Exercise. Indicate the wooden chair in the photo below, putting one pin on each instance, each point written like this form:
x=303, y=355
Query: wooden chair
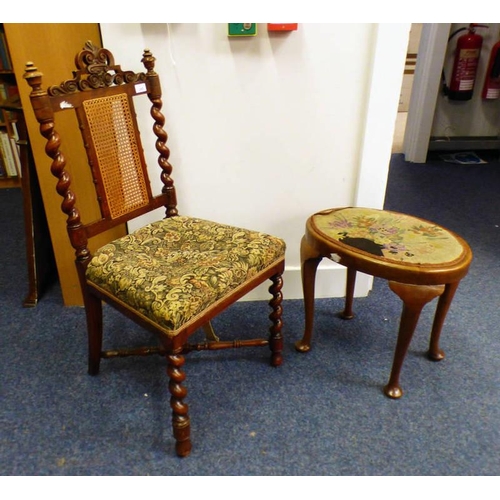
x=171, y=276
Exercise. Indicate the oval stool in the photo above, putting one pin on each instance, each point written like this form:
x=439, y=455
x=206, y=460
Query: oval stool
x=420, y=259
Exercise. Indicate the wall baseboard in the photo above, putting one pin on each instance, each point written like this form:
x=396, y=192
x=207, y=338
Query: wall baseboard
x=330, y=282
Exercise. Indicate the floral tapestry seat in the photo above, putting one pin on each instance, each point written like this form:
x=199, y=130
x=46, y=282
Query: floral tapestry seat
x=174, y=269
x=390, y=236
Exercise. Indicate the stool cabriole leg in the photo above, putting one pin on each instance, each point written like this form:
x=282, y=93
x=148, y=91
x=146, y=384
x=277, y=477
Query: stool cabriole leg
x=435, y=353
x=309, y=259
x=414, y=298
x=349, y=294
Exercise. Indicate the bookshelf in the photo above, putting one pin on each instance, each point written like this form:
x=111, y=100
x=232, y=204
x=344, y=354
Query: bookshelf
x=17, y=171
x=10, y=168
x=39, y=253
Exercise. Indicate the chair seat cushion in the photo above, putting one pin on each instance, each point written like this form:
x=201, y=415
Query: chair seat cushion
x=173, y=269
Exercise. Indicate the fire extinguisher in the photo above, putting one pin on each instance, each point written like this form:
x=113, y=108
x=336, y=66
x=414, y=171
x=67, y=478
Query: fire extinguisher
x=491, y=88
x=464, y=71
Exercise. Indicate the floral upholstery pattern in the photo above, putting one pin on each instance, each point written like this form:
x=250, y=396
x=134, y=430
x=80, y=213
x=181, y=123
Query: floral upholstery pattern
x=173, y=269
x=389, y=235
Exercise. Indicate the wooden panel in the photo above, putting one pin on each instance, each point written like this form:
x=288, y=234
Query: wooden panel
x=52, y=48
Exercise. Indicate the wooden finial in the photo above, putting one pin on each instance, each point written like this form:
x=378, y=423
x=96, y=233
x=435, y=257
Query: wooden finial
x=34, y=78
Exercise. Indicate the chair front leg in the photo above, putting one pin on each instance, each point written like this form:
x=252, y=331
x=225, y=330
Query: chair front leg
x=275, y=336
x=180, y=418
x=93, y=312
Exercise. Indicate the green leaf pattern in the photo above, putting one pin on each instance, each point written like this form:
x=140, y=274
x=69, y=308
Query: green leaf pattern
x=173, y=269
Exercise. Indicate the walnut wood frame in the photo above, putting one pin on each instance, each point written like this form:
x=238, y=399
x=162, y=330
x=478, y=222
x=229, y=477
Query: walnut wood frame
x=97, y=75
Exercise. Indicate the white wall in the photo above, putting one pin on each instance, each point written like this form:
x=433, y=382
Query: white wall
x=264, y=131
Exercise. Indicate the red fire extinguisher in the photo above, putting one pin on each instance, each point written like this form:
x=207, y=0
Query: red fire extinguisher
x=467, y=55
x=491, y=87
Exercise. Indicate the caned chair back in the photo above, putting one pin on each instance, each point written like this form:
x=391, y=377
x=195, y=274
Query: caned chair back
x=102, y=96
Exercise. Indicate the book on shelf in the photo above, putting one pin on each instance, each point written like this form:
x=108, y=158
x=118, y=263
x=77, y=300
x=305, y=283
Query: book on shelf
x=10, y=155
x=5, y=62
x=16, y=154
x=9, y=93
x=15, y=133
x=3, y=91
x=3, y=171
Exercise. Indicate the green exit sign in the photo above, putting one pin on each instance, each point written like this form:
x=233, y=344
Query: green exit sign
x=242, y=29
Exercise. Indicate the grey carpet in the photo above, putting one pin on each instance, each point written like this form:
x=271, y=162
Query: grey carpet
x=321, y=413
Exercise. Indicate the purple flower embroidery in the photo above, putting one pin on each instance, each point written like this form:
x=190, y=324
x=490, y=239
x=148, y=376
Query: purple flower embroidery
x=394, y=248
